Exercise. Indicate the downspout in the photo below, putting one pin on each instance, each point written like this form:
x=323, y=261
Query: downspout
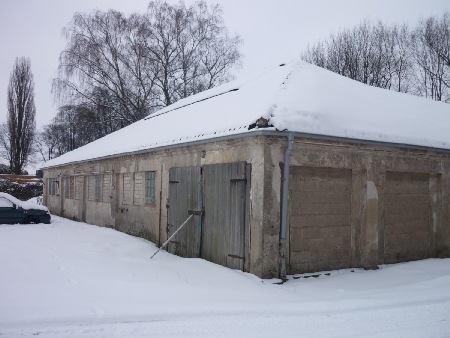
x=160, y=206
x=284, y=205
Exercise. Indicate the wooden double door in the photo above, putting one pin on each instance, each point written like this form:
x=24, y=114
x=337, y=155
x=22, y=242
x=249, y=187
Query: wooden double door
x=217, y=196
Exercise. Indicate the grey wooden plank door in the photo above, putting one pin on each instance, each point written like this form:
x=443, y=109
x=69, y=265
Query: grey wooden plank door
x=223, y=233
x=185, y=193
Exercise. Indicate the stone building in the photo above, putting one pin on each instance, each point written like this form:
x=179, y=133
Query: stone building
x=298, y=170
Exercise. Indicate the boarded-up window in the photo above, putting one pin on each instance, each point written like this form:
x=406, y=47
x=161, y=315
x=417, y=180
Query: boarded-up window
x=66, y=181
x=79, y=181
x=57, y=187
x=50, y=186
x=138, y=189
x=126, y=189
x=150, y=187
x=95, y=188
x=106, y=188
x=72, y=187
x=91, y=195
x=69, y=187
x=53, y=187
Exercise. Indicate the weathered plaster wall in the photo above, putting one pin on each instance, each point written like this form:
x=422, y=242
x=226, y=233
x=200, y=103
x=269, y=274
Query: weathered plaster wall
x=150, y=221
x=369, y=165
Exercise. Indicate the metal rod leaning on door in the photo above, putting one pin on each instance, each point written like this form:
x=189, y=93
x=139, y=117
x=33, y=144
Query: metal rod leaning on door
x=170, y=238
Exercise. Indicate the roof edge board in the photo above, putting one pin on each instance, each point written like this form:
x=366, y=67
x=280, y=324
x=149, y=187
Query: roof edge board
x=261, y=132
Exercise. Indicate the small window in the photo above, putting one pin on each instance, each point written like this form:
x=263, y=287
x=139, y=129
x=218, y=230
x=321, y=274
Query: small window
x=98, y=187
x=150, y=187
x=106, y=188
x=49, y=186
x=138, y=198
x=127, y=196
x=79, y=186
x=95, y=188
x=72, y=187
x=67, y=187
x=53, y=187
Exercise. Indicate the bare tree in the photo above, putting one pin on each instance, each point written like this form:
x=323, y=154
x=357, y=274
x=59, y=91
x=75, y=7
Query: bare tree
x=374, y=54
x=143, y=62
x=104, y=52
x=394, y=57
x=17, y=135
x=116, y=70
x=430, y=50
x=189, y=47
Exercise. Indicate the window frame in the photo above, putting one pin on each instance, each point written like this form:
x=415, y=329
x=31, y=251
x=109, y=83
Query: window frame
x=127, y=192
x=98, y=182
x=150, y=188
x=67, y=187
x=53, y=186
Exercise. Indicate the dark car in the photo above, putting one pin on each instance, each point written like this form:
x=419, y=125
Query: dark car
x=13, y=211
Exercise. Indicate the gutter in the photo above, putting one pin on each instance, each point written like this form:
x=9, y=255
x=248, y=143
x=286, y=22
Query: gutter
x=284, y=205
x=259, y=132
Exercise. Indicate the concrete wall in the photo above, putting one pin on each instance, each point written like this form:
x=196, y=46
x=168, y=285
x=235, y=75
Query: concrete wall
x=369, y=167
x=372, y=240
x=127, y=213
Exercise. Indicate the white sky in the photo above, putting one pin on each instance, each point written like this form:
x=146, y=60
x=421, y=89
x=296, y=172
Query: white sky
x=273, y=31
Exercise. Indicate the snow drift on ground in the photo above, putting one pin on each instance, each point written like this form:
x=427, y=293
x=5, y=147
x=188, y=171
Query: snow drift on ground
x=299, y=97
x=70, y=279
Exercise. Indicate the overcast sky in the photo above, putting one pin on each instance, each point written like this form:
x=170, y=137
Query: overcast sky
x=272, y=31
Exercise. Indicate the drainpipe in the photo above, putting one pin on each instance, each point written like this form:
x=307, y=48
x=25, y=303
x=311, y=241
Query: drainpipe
x=160, y=206
x=284, y=205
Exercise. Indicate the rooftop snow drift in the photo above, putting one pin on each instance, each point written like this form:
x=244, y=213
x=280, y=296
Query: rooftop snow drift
x=301, y=98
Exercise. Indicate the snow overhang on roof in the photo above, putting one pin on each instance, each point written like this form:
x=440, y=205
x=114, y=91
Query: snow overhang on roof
x=301, y=98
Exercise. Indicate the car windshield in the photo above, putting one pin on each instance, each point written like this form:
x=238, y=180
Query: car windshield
x=5, y=203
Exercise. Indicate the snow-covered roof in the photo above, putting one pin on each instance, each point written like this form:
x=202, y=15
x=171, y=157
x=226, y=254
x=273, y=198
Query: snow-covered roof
x=299, y=97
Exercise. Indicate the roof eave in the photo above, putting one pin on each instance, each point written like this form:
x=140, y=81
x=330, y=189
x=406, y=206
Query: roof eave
x=261, y=132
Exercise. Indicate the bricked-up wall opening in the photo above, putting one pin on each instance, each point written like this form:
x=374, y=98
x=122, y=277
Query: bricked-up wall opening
x=407, y=217
x=319, y=219
x=138, y=189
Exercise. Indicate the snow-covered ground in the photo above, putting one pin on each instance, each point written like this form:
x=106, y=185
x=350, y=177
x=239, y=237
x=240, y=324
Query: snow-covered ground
x=70, y=279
